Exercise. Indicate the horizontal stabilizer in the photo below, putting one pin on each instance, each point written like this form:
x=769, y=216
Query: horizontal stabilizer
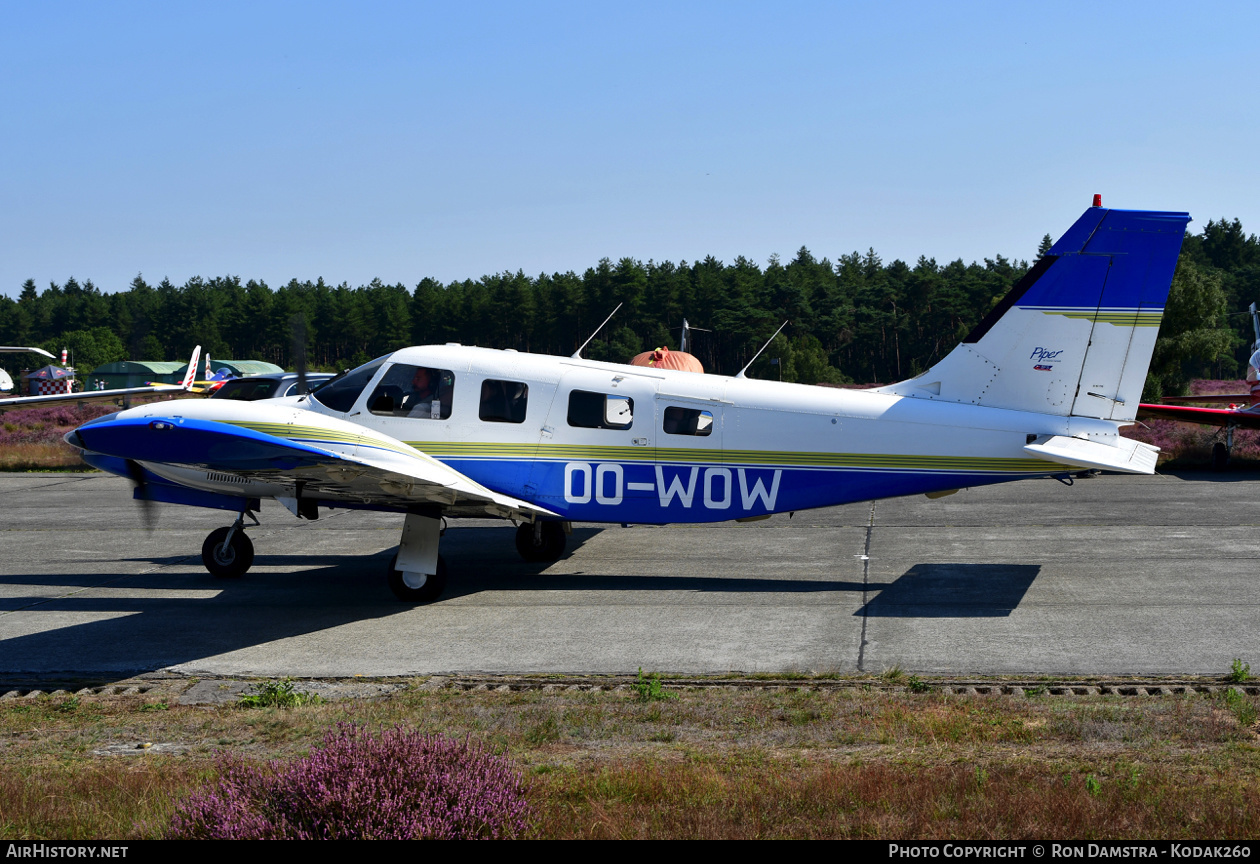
x=1128, y=456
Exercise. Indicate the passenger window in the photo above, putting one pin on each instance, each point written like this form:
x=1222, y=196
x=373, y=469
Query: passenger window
x=600, y=410
x=503, y=401
x=340, y=395
x=413, y=391
x=688, y=421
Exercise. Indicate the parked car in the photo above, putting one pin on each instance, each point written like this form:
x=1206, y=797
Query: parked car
x=271, y=385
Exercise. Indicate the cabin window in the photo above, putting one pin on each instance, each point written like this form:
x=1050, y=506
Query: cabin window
x=600, y=410
x=416, y=392
x=503, y=401
x=340, y=395
x=688, y=421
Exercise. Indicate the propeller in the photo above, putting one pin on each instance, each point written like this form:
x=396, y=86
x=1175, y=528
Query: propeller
x=148, y=513
x=297, y=324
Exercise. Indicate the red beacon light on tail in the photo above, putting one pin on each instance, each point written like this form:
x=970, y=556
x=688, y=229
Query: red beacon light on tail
x=1097, y=200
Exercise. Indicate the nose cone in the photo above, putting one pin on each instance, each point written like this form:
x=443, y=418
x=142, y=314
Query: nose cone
x=89, y=434
x=74, y=437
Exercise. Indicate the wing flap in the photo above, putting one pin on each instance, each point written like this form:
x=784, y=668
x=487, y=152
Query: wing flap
x=1128, y=456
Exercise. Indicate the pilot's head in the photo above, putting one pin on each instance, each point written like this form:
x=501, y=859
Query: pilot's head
x=421, y=381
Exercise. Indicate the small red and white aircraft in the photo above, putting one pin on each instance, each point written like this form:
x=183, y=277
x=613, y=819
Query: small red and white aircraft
x=1243, y=411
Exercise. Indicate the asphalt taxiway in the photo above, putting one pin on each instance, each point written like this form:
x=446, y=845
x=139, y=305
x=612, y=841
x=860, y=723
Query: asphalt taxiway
x=1116, y=575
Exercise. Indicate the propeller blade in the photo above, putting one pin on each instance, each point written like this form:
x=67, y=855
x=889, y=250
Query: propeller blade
x=148, y=512
x=298, y=325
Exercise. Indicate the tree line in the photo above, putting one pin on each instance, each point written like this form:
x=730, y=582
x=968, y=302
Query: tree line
x=857, y=319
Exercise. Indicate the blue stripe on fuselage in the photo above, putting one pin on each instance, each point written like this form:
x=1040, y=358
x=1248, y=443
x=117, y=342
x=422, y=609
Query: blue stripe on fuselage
x=647, y=493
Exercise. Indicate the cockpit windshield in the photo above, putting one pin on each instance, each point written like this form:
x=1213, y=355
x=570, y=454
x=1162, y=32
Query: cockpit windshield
x=340, y=395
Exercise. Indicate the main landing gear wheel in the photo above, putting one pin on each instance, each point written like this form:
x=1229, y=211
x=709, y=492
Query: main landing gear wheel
x=227, y=560
x=1220, y=456
x=416, y=587
x=542, y=541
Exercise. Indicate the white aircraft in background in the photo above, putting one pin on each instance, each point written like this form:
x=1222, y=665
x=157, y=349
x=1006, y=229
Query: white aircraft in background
x=6, y=383
x=100, y=395
x=1041, y=388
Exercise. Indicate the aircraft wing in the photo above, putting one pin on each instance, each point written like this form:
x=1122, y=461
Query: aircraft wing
x=1245, y=418
x=100, y=395
x=1214, y=399
x=298, y=453
x=18, y=349
x=86, y=396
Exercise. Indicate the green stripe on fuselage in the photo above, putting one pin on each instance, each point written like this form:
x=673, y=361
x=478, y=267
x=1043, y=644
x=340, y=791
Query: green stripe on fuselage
x=786, y=459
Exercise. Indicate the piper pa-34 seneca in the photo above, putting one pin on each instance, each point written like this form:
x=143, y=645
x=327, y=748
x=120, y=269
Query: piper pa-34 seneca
x=1040, y=388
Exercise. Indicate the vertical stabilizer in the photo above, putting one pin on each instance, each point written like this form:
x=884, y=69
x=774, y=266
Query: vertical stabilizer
x=190, y=374
x=1076, y=334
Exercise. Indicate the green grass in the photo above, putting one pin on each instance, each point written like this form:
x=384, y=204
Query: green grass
x=277, y=694
x=734, y=762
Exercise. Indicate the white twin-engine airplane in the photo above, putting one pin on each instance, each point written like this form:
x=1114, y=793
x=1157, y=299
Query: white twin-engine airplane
x=1040, y=388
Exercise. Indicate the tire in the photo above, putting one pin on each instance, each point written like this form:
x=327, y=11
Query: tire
x=551, y=547
x=1220, y=456
x=430, y=590
x=231, y=562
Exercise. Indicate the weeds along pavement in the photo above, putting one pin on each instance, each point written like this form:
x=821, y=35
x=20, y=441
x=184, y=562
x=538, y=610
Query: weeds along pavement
x=663, y=760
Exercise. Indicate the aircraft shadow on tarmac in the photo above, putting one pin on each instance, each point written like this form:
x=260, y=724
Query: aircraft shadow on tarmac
x=152, y=627
x=155, y=630
x=954, y=591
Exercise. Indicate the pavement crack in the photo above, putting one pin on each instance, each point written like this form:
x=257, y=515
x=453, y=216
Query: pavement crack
x=866, y=581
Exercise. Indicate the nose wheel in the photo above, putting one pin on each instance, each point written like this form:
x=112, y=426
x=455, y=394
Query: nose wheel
x=227, y=552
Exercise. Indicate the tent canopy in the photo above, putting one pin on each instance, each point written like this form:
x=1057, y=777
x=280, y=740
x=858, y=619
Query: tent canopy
x=48, y=373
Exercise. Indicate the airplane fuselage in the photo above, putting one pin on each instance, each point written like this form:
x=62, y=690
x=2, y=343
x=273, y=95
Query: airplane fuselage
x=1039, y=388
x=685, y=447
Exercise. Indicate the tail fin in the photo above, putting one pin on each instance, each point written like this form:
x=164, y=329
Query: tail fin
x=191, y=375
x=1076, y=334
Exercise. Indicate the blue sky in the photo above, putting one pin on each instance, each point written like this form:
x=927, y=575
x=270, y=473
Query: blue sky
x=353, y=141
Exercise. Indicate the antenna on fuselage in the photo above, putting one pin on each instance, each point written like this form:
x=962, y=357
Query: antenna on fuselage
x=687, y=329
x=763, y=348
x=577, y=355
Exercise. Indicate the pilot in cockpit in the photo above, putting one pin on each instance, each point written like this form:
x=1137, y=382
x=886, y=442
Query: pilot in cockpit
x=422, y=401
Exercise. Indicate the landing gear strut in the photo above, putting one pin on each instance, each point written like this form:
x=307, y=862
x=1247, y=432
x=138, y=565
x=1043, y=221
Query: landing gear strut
x=541, y=541
x=227, y=552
